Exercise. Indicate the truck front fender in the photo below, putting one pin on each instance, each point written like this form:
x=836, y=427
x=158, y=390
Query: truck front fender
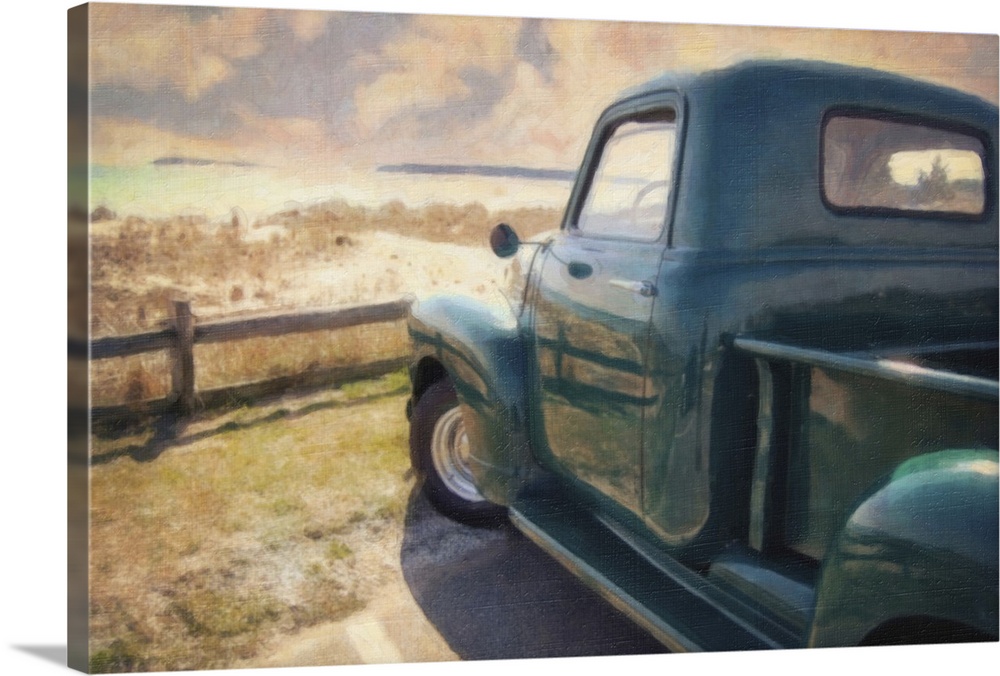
x=480, y=349
x=923, y=545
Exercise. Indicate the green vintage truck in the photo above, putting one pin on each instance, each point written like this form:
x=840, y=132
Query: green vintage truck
x=748, y=391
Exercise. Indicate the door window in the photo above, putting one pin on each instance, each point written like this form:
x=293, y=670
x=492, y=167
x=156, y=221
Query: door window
x=629, y=193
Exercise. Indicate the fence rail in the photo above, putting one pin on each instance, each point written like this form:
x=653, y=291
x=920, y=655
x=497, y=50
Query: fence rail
x=186, y=332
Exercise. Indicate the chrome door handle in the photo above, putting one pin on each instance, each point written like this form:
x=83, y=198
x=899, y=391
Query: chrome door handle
x=644, y=288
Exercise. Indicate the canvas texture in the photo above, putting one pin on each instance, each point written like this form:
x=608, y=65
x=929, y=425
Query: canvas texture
x=288, y=332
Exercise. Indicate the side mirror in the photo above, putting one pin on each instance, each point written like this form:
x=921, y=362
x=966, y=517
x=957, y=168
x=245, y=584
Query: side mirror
x=504, y=241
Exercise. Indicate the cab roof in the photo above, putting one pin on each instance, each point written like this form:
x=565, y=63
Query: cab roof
x=798, y=82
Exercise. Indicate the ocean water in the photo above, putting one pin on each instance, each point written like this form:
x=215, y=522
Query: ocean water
x=213, y=191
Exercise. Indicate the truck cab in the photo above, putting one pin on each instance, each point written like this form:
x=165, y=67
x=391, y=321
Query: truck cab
x=749, y=389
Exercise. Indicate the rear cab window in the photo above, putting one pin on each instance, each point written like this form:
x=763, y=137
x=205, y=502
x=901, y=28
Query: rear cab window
x=879, y=164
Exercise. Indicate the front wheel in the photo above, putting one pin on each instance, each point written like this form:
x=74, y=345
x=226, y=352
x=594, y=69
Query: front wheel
x=440, y=444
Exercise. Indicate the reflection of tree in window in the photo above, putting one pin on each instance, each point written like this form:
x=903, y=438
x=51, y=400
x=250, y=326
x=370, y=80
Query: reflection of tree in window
x=934, y=188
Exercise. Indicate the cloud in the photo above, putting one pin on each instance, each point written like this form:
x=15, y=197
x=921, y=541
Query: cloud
x=147, y=46
x=534, y=48
x=230, y=73
x=440, y=63
x=308, y=25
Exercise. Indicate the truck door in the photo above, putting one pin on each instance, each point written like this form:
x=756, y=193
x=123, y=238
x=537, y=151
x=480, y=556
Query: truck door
x=594, y=300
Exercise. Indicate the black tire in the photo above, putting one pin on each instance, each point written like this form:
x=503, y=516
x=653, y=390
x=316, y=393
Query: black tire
x=439, y=444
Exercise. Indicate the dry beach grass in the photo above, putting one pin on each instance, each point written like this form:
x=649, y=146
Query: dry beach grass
x=327, y=255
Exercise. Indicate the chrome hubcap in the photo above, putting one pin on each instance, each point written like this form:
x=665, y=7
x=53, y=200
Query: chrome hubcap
x=450, y=454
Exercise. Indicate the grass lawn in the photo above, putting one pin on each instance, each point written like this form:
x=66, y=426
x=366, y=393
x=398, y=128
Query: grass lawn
x=249, y=524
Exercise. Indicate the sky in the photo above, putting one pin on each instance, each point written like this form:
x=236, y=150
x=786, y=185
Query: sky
x=317, y=91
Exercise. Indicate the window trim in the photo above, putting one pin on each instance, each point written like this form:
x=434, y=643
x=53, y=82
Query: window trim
x=881, y=115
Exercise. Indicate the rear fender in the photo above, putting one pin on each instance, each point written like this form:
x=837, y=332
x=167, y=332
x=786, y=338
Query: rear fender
x=922, y=545
x=480, y=349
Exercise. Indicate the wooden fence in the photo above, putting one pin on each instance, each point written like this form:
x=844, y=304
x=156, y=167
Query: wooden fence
x=185, y=333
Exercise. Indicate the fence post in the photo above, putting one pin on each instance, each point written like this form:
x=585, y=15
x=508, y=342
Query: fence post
x=183, y=373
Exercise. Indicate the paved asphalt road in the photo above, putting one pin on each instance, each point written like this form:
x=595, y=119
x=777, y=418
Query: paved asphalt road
x=493, y=594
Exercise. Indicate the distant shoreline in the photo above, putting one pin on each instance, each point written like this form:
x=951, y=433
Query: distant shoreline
x=198, y=162
x=480, y=170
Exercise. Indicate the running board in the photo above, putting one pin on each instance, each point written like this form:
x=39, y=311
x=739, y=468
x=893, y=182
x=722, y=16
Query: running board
x=671, y=609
